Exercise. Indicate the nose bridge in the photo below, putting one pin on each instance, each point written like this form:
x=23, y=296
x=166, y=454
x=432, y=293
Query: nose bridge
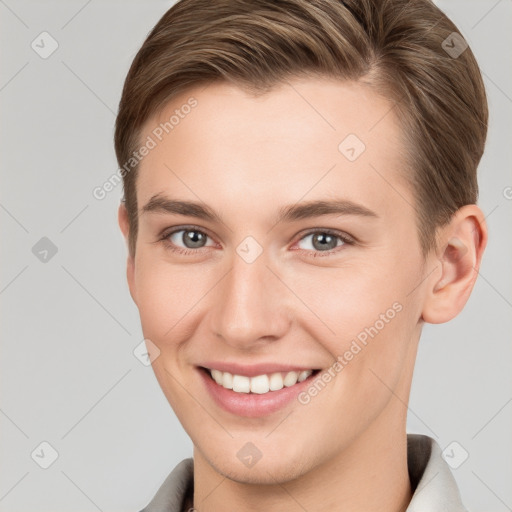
x=249, y=304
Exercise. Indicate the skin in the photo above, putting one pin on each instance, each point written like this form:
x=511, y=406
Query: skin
x=246, y=157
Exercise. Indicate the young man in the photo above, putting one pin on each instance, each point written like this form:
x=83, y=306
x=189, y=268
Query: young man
x=300, y=188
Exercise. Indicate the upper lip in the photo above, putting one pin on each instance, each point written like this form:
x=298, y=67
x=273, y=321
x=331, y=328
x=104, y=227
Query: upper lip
x=252, y=370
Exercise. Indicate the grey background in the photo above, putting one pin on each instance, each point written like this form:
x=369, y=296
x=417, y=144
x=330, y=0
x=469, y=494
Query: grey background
x=69, y=327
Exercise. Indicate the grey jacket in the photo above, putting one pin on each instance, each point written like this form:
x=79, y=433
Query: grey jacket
x=433, y=485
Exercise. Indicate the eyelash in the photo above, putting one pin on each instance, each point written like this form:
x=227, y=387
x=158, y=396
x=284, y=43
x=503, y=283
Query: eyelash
x=344, y=237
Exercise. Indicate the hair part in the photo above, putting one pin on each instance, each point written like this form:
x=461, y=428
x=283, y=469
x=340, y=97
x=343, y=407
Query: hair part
x=393, y=46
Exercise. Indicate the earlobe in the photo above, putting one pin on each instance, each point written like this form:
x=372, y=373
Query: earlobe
x=124, y=225
x=461, y=248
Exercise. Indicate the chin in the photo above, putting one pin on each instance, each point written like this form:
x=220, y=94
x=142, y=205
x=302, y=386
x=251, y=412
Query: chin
x=270, y=470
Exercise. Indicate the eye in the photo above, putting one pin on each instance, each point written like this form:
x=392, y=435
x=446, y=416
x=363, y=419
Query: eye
x=323, y=241
x=189, y=238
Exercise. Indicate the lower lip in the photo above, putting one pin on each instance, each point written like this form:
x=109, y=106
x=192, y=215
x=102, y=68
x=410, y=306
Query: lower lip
x=252, y=405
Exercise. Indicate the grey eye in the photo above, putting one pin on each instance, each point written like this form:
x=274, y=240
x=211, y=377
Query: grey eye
x=321, y=241
x=189, y=238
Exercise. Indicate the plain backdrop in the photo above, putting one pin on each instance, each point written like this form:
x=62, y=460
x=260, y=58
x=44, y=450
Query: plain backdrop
x=68, y=374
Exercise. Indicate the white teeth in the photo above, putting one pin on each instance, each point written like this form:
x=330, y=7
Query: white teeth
x=260, y=384
x=276, y=382
x=241, y=384
x=227, y=380
x=217, y=376
x=303, y=375
x=290, y=379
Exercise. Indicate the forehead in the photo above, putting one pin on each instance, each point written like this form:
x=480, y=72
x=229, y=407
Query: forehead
x=307, y=136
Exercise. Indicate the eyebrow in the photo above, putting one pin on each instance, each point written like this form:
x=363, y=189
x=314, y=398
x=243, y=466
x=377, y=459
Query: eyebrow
x=161, y=204
x=318, y=208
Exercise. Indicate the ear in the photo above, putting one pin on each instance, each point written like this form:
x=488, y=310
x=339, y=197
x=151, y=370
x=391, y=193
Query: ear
x=124, y=224
x=459, y=254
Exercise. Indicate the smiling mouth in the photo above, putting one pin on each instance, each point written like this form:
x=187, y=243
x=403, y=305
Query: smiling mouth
x=259, y=384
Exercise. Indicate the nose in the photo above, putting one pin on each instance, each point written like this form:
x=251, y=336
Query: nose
x=250, y=305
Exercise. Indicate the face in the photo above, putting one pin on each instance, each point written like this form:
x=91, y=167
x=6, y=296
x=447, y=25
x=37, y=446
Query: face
x=277, y=237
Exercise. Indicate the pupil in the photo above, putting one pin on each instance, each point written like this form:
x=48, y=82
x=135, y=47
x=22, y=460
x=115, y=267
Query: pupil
x=324, y=241
x=193, y=239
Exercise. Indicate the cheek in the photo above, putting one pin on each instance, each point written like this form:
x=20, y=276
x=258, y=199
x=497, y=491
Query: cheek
x=166, y=294
x=362, y=314
x=344, y=301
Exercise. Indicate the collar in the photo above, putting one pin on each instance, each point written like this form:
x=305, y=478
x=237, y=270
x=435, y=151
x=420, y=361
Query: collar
x=434, y=487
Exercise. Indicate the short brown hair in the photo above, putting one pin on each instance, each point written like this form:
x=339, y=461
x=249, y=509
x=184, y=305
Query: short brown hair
x=398, y=47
